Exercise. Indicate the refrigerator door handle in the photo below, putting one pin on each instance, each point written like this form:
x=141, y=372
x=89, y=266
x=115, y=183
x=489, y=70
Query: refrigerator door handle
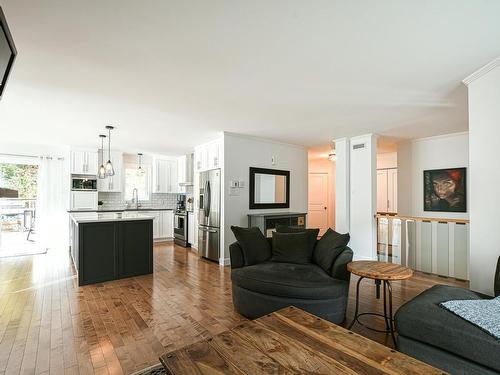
x=209, y=200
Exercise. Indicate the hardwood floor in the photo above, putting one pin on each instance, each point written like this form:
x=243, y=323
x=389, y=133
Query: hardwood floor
x=49, y=325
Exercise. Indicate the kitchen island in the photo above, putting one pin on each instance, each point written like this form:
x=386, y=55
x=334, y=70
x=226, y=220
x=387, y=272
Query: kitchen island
x=110, y=246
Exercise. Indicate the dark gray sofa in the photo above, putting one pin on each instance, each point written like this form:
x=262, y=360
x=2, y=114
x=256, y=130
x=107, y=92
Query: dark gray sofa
x=264, y=287
x=444, y=340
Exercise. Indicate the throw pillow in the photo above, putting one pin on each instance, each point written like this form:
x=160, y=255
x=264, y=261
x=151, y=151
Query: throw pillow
x=329, y=247
x=311, y=233
x=256, y=248
x=291, y=248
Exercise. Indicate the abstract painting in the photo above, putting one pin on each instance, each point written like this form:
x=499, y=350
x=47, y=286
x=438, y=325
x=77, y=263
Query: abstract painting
x=445, y=190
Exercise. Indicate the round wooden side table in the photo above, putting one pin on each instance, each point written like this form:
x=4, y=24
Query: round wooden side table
x=380, y=272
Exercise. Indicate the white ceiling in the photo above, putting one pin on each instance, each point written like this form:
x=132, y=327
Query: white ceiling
x=171, y=74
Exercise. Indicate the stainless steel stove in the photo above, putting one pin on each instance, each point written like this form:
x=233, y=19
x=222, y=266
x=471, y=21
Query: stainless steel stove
x=181, y=228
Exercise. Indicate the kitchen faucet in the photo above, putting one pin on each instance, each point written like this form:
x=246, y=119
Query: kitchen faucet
x=135, y=198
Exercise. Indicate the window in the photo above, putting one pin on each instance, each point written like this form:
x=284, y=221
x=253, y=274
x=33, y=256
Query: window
x=134, y=180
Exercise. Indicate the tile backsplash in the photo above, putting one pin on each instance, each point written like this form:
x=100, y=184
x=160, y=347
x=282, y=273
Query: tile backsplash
x=115, y=201
x=111, y=201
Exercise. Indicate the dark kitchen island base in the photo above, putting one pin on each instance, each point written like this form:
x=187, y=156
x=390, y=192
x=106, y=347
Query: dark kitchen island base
x=110, y=250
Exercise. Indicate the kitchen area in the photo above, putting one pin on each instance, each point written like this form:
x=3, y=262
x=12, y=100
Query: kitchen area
x=157, y=197
x=157, y=186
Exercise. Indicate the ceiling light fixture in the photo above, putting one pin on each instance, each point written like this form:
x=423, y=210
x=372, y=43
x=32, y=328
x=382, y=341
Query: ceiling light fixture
x=140, y=170
x=110, y=171
x=102, y=170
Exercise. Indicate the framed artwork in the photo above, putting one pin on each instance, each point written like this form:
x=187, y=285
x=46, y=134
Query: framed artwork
x=445, y=190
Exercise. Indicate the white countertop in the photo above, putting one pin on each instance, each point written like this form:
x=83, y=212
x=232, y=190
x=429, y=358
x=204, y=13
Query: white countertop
x=97, y=217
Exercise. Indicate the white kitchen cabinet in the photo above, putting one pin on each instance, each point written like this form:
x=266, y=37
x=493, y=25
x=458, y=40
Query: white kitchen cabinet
x=112, y=183
x=84, y=162
x=84, y=200
x=173, y=184
x=191, y=228
x=163, y=224
x=167, y=222
x=387, y=190
x=208, y=156
x=165, y=179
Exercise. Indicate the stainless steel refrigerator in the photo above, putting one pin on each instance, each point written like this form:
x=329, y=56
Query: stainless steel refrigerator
x=209, y=214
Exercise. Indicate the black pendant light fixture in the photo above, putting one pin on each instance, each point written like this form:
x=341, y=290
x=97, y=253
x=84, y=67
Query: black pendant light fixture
x=140, y=170
x=110, y=171
x=102, y=169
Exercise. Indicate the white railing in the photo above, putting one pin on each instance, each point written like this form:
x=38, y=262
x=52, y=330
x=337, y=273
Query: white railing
x=433, y=245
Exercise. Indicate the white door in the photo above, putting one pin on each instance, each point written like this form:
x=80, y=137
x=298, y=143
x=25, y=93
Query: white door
x=317, y=216
x=392, y=190
x=382, y=205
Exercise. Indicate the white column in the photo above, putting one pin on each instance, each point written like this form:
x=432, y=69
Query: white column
x=342, y=194
x=484, y=203
x=363, y=196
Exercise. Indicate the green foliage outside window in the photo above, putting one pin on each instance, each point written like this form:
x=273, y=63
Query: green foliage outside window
x=20, y=177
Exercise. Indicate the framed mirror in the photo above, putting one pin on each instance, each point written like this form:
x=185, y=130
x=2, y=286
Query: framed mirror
x=269, y=188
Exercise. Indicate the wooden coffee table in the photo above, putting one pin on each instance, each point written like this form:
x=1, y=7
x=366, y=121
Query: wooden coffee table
x=380, y=272
x=290, y=341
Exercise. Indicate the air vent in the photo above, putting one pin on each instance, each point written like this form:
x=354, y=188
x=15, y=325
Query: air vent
x=358, y=146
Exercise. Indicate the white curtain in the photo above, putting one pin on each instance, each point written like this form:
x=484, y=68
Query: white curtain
x=51, y=224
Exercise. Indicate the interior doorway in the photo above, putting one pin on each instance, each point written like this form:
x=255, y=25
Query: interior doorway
x=18, y=196
x=318, y=201
x=321, y=188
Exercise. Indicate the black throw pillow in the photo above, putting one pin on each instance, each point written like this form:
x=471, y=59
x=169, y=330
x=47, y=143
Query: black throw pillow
x=329, y=248
x=291, y=248
x=312, y=234
x=256, y=247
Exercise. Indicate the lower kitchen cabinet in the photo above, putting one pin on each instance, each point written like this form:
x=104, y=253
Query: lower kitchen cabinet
x=133, y=260
x=191, y=228
x=163, y=224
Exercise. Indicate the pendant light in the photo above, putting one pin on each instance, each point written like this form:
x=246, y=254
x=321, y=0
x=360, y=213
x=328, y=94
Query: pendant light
x=110, y=171
x=140, y=170
x=102, y=169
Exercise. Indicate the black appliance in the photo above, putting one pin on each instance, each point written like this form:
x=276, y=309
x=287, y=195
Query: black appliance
x=181, y=228
x=8, y=52
x=181, y=203
x=80, y=183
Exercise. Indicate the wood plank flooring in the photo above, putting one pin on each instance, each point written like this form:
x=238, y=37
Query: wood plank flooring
x=48, y=325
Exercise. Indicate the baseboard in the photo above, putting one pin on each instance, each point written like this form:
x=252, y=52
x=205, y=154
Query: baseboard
x=225, y=261
x=358, y=257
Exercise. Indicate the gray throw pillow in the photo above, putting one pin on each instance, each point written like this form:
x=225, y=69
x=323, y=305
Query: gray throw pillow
x=329, y=247
x=291, y=248
x=312, y=234
x=256, y=248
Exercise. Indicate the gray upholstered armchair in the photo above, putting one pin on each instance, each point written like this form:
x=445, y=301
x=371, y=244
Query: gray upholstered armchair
x=261, y=286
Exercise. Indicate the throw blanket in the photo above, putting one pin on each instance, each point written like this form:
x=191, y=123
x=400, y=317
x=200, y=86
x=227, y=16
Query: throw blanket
x=484, y=313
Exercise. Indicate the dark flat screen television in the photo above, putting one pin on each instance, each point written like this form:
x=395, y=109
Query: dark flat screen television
x=8, y=52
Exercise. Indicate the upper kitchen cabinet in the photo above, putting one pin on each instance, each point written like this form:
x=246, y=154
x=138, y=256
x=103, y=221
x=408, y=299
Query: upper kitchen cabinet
x=112, y=183
x=165, y=176
x=184, y=172
x=84, y=162
x=208, y=156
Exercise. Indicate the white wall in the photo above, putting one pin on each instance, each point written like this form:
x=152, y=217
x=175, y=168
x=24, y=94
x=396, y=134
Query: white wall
x=363, y=196
x=342, y=190
x=387, y=160
x=446, y=151
x=241, y=153
x=484, y=130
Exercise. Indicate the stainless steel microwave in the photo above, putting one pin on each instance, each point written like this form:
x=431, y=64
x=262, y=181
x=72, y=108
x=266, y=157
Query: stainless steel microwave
x=80, y=183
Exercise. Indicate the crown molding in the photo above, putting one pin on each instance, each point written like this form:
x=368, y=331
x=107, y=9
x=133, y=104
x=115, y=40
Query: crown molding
x=481, y=71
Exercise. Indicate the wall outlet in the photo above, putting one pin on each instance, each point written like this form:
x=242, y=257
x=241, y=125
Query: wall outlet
x=233, y=184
